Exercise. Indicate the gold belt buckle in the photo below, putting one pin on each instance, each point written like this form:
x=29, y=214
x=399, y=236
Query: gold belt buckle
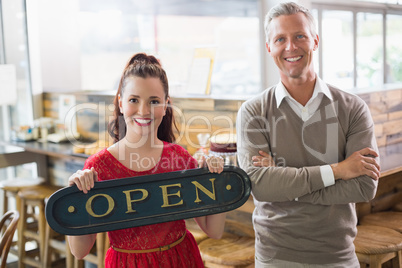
x=167, y=247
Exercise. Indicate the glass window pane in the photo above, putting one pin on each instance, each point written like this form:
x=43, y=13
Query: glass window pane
x=317, y=53
x=369, y=50
x=16, y=53
x=236, y=69
x=337, y=47
x=110, y=36
x=108, y=39
x=384, y=1
x=394, y=49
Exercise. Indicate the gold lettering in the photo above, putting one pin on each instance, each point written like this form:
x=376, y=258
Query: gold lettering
x=166, y=195
x=204, y=190
x=88, y=205
x=130, y=201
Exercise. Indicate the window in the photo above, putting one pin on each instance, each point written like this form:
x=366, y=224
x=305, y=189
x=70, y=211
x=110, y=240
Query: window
x=359, y=44
x=393, y=66
x=95, y=38
x=369, y=50
x=111, y=32
x=337, y=48
x=14, y=51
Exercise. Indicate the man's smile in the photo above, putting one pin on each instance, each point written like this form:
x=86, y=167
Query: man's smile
x=293, y=59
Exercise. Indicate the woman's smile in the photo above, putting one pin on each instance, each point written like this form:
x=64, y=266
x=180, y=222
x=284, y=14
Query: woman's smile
x=143, y=122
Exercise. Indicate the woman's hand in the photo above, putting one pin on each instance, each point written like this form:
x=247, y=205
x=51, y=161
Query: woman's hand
x=214, y=163
x=263, y=160
x=84, y=179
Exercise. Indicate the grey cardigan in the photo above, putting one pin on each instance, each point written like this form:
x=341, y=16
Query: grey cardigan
x=318, y=228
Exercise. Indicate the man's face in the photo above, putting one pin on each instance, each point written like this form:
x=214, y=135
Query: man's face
x=291, y=46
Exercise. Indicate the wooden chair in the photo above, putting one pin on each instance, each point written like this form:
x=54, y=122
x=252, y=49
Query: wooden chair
x=375, y=245
x=234, y=250
x=8, y=225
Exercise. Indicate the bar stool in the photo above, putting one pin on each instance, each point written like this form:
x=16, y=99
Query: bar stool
x=229, y=251
x=33, y=197
x=10, y=191
x=196, y=231
x=388, y=219
x=397, y=207
x=375, y=245
x=11, y=187
x=234, y=249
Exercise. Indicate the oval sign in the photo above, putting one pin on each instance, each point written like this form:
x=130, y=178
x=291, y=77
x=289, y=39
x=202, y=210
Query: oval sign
x=143, y=200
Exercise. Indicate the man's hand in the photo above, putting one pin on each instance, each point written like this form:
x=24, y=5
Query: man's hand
x=263, y=160
x=358, y=164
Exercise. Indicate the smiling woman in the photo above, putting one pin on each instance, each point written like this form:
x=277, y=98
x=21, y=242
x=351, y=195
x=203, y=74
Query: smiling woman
x=143, y=125
x=143, y=104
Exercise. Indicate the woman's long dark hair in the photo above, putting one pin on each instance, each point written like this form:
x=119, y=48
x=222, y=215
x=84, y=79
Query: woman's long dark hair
x=144, y=66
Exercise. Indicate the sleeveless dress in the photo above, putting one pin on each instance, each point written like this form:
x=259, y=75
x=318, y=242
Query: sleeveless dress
x=186, y=254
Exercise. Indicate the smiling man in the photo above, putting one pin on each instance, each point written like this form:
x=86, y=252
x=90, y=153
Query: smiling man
x=324, y=138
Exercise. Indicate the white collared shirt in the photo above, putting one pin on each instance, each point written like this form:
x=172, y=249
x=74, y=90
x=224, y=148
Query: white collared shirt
x=306, y=112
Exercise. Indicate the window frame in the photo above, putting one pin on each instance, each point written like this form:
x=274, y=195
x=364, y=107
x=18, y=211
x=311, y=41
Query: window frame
x=357, y=7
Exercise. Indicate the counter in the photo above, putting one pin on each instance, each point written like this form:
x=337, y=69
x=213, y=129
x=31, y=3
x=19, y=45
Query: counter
x=63, y=150
x=14, y=153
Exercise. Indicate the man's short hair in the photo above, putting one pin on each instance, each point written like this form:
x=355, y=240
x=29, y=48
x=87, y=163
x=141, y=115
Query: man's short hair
x=288, y=8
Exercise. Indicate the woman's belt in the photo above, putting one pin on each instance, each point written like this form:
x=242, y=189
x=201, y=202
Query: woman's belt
x=163, y=248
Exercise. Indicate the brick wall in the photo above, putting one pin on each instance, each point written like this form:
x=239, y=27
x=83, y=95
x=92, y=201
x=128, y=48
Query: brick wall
x=207, y=115
x=386, y=110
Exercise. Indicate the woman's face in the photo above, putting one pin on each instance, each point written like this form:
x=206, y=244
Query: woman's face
x=143, y=105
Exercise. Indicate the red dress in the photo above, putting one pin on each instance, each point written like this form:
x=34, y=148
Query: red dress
x=186, y=254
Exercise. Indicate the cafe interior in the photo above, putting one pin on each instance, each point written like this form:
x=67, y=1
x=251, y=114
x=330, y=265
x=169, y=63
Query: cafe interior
x=60, y=65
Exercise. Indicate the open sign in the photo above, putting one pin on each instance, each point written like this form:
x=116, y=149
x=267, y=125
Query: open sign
x=143, y=200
